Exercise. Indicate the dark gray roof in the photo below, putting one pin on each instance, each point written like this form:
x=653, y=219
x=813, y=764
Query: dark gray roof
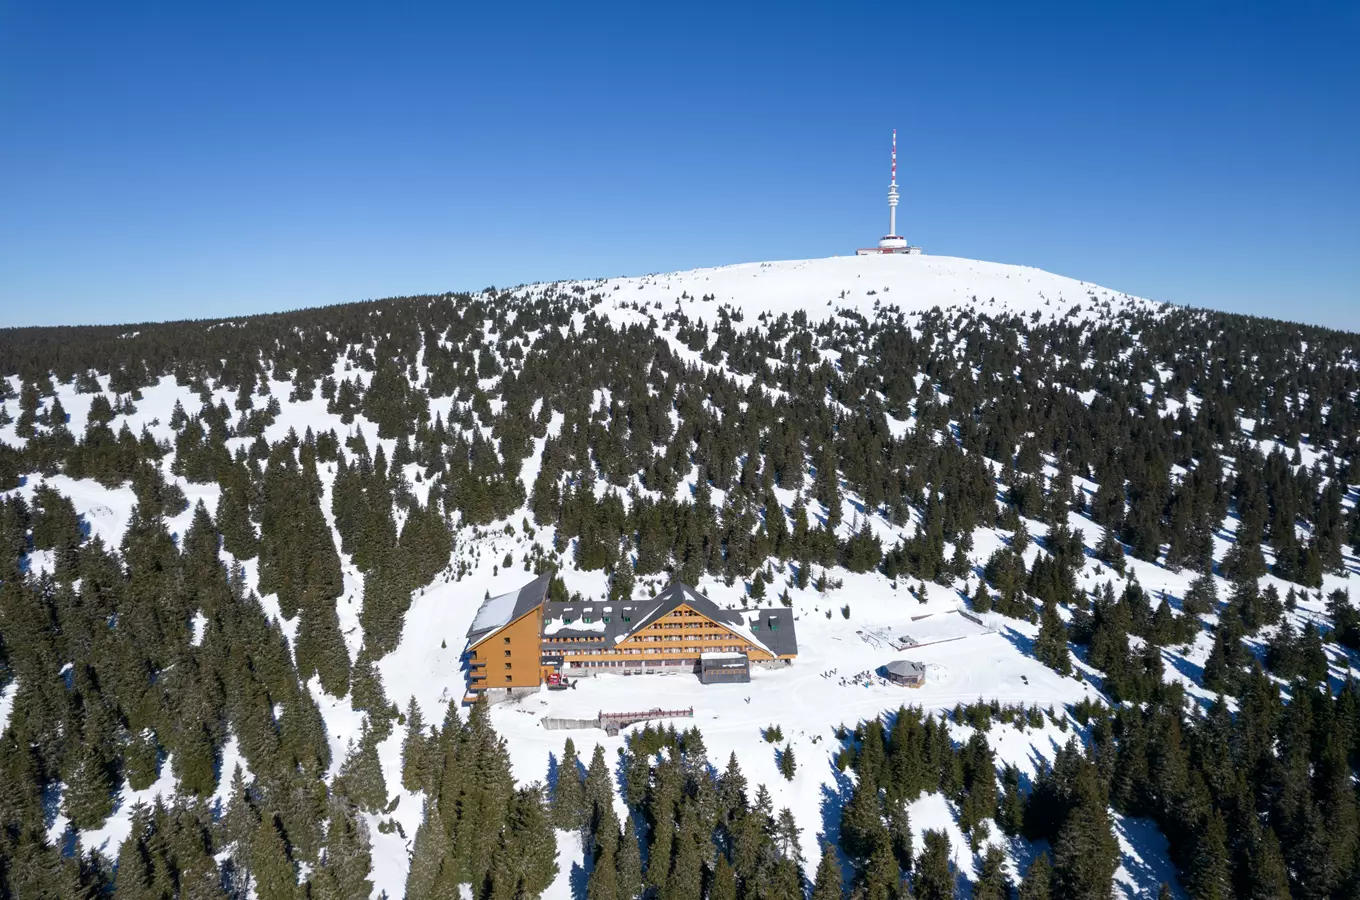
x=770, y=628
x=599, y=632
x=903, y=667
x=497, y=612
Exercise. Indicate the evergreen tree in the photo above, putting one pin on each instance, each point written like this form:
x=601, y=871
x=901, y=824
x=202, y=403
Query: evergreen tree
x=934, y=875
x=344, y=874
x=1038, y=880
x=628, y=862
x=432, y=870
x=1050, y=647
x=415, y=749
x=1202, y=597
x=992, y=883
x=787, y=766
x=723, y=884
x=827, y=885
x=569, y=799
x=1086, y=853
x=273, y=873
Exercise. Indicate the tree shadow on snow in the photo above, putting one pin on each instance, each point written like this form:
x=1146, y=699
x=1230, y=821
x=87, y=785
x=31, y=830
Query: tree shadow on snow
x=1145, y=857
x=554, y=770
x=1193, y=671
x=835, y=795
x=580, y=880
x=1019, y=641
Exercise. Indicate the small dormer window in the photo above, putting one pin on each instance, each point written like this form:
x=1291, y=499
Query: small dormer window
x=585, y=620
x=566, y=620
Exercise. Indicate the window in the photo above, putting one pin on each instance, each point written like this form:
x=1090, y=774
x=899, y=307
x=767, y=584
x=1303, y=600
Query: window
x=566, y=620
x=606, y=620
x=507, y=678
x=507, y=652
x=585, y=620
x=505, y=640
x=507, y=665
x=627, y=618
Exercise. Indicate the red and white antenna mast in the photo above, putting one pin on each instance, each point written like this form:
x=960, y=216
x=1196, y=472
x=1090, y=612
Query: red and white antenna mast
x=892, y=191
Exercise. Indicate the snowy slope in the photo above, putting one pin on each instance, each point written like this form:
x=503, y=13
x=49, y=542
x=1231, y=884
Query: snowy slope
x=911, y=283
x=809, y=699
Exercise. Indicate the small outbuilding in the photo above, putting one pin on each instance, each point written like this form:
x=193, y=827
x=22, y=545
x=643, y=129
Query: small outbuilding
x=724, y=668
x=905, y=672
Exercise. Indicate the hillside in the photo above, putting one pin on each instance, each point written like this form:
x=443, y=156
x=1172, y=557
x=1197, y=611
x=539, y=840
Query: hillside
x=241, y=557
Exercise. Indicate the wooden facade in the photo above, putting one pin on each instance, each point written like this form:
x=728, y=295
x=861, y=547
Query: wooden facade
x=675, y=639
x=508, y=657
x=520, y=638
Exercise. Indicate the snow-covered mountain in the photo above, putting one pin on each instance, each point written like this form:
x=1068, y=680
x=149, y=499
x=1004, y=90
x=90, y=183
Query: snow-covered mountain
x=926, y=364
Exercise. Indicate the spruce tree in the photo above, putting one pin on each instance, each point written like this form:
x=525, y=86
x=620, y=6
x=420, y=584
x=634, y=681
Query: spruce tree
x=1038, y=881
x=827, y=884
x=604, y=877
x=1202, y=596
x=1210, y=867
x=431, y=873
x=272, y=871
x=1086, y=853
x=723, y=883
x=598, y=793
x=934, y=876
x=628, y=862
x=568, y=798
x=992, y=883
x=415, y=749
x=344, y=874
x=1050, y=647
x=787, y=765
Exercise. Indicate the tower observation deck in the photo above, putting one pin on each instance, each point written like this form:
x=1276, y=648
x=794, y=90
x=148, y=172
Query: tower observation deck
x=891, y=242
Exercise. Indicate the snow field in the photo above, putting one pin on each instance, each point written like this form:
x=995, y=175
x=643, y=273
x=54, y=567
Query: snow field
x=804, y=699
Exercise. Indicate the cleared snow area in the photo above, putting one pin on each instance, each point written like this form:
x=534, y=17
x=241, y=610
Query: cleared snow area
x=931, y=629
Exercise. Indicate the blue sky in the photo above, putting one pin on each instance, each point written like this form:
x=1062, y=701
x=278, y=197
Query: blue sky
x=179, y=160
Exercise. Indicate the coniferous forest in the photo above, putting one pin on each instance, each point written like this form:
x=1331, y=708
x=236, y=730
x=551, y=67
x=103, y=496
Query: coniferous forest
x=282, y=471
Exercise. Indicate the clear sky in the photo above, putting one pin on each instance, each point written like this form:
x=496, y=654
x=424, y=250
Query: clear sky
x=169, y=160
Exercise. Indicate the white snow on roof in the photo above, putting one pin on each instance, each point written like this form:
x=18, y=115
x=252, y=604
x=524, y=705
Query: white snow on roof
x=495, y=612
x=744, y=630
x=555, y=625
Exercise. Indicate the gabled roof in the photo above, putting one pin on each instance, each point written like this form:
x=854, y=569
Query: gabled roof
x=673, y=597
x=497, y=612
x=770, y=629
x=613, y=621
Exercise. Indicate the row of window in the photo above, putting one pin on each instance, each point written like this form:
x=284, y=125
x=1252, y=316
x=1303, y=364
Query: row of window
x=640, y=651
x=624, y=663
